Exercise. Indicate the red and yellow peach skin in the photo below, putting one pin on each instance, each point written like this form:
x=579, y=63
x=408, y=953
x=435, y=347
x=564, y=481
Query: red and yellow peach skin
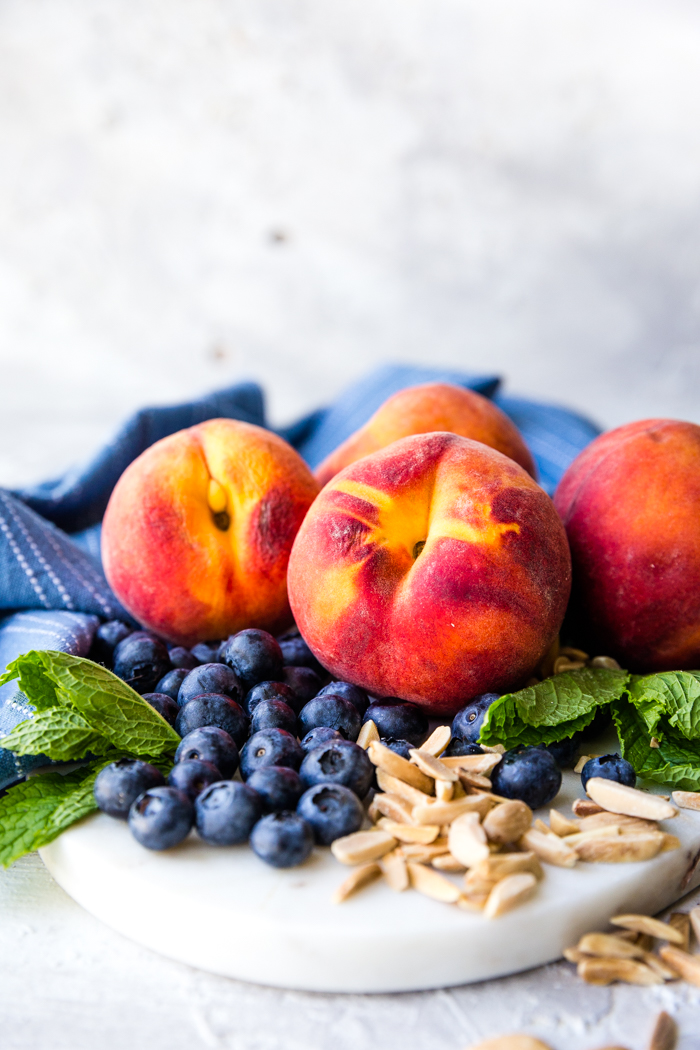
x=422, y=410
x=197, y=533
x=631, y=507
x=433, y=570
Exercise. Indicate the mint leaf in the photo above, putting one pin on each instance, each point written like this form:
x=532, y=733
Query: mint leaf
x=35, y=812
x=29, y=669
x=553, y=709
x=671, y=695
x=675, y=761
x=59, y=733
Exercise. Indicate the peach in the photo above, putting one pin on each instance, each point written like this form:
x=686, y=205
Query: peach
x=422, y=410
x=197, y=533
x=433, y=570
x=631, y=507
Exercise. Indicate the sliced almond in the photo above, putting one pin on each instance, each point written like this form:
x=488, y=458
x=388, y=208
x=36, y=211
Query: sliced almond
x=495, y=749
x=467, y=839
x=368, y=734
x=600, y=820
x=457, y=790
x=665, y=1034
x=686, y=799
x=694, y=916
x=423, y=833
x=446, y=812
x=608, y=946
x=387, y=760
x=510, y=893
x=446, y=862
x=670, y=843
x=362, y=847
x=355, y=881
x=584, y=807
x=608, y=831
x=562, y=663
x=482, y=764
x=605, y=661
x=392, y=806
x=560, y=825
x=653, y=927
x=618, y=798
x=394, y=870
x=539, y=825
x=623, y=849
x=549, y=848
x=507, y=822
x=432, y=884
x=469, y=903
x=437, y=741
x=659, y=966
x=478, y=885
x=423, y=854
x=574, y=955
x=444, y=790
x=393, y=786
x=581, y=763
x=474, y=780
x=686, y=966
x=498, y=865
x=431, y=766
x=605, y=971
x=511, y=1042
x=574, y=654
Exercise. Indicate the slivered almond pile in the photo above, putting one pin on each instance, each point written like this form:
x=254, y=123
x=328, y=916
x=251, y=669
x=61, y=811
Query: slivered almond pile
x=664, y=1037
x=436, y=817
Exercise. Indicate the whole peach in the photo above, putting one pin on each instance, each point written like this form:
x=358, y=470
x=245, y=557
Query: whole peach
x=422, y=410
x=197, y=533
x=631, y=507
x=433, y=570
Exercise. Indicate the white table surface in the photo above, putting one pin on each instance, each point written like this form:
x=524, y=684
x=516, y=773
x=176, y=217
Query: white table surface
x=195, y=191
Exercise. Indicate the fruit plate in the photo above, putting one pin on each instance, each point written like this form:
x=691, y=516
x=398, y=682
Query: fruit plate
x=225, y=911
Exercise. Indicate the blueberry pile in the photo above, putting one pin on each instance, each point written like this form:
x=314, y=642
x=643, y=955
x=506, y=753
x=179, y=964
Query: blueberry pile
x=261, y=708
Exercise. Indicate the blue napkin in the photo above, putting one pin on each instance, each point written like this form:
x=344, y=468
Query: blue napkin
x=52, y=579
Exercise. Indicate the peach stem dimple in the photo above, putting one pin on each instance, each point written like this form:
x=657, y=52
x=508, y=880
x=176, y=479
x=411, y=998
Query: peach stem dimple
x=216, y=496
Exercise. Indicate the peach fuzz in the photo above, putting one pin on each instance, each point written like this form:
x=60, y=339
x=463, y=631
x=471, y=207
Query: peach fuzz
x=433, y=570
x=197, y=533
x=631, y=507
x=423, y=410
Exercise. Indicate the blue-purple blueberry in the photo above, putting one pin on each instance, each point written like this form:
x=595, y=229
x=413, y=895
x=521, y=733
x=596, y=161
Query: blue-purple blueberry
x=468, y=721
x=338, y=762
x=210, y=744
x=210, y=678
x=164, y=705
x=273, y=714
x=119, y=784
x=609, y=767
x=270, y=747
x=283, y=840
x=226, y=812
x=213, y=709
x=279, y=787
x=141, y=660
x=161, y=818
x=332, y=811
x=399, y=719
x=254, y=655
x=348, y=691
x=333, y=711
x=193, y=776
x=527, y=773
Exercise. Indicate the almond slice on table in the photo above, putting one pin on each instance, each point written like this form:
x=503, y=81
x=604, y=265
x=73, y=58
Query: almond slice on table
x=498, y=865
x=355, y=881
x=659, y=966
x=393, y=786
x=392, y=806
x=394, y=870
x=437, y=741
x=444, y=790
x=686, y=799
x=605, y=971
x=540, y=825
x=446, y=862
x=478, y=885
x=622, y=849
x=368, y=734
x=585, y=807
x=653, y=927
x=561, y=825
x=432, y=884
x=474, y=780
x=423, y=833
x=509, y=893
x=362, y=846
x=607, y=945
x=549, y=848
x=602, y=819
x=431, y=766
x=511, y=1042
x=665, y=1034
x=607, y=831
x=424, y=854
x=445, y=812
x=467, y=839
x=618, y=798
x=467, y=902
x=482, y=764
x=387, y=760
x=507, y=822
x=581, y=763
x=686, y=966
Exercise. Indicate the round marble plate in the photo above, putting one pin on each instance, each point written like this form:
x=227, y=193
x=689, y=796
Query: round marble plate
x=225, y=911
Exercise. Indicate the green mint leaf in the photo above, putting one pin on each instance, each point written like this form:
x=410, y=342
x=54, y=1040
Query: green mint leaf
x=669, y=695
x=59, y=733
x=35, y=812
x=675, y=761
x=33, y=682
x=553, y=709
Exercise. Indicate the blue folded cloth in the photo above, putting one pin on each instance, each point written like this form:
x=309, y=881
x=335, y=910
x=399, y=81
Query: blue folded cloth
x=53, y=581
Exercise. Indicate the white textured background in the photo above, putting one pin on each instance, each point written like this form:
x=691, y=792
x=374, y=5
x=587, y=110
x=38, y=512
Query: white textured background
x=194, y=191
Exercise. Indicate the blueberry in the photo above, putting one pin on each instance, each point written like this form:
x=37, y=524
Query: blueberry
x=333, y=711
x=164, y=705
x=170, y=683
x=210, y=678
x=254, y=655
x=213, y=709
x=527, y=773
x=107, y=637
x=350, y=692
x=320, y=735
x=270, y=747
x=193, y=776
x=468, y=721
x=399, y=719
x=332, y=811
x=181, y=657
x=118, y=785
x=400, y=747
x=206, y=654
x=226, y=812
x=564, y=752
x=280, y=788
x=303, y=682
x=161, y=818
x=283, y=840
x=269, y=691
x=273, y=714
x=456, y=748
x=141, y=661
x=339, y=762
x=211, y=745
x=610, y=767
x=296, y=653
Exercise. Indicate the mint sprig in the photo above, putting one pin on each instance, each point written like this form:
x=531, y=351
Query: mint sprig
x=675, y=761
